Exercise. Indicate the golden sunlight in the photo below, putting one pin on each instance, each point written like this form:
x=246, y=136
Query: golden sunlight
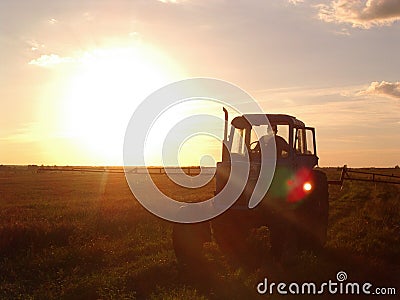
x=104, y=92
x=190, y=145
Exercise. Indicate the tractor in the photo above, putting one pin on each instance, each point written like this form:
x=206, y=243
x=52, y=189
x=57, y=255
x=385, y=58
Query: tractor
x=295, y=207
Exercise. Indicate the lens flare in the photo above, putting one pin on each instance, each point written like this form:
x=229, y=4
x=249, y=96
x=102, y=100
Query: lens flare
x=300, y=186
x=307, y=186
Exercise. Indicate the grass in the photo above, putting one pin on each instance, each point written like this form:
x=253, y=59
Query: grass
x=79, y=235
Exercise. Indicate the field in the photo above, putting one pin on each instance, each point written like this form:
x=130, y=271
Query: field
x=72, y=235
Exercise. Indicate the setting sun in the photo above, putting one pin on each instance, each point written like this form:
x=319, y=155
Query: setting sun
x=103, y=93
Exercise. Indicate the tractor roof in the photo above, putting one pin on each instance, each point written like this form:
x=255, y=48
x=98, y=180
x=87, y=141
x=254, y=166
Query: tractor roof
x=259, y=119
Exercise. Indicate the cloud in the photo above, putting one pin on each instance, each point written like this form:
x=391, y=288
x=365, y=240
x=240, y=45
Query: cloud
x=342, y=31
x=50, y=60
x=34, y=45
x=171, y=1
x=52, y=21
x=295, y=2
x=384, y=88
x=360, y=13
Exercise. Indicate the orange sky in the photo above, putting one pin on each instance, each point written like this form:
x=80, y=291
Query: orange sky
x=72, y=73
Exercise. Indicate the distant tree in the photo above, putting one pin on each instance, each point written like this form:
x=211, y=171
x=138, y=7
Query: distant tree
x=397, y=167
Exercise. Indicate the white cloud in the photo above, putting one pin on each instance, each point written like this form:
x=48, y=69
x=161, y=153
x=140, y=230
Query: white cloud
x=384, y=88
x=50, y=60
x=171, y=1
x=52, y=21
x=360, y=13
x=34, y=45
x=295, y=2
x=342, y=31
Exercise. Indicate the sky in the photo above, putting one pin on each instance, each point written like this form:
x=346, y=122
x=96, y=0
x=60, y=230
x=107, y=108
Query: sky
x=73, y=72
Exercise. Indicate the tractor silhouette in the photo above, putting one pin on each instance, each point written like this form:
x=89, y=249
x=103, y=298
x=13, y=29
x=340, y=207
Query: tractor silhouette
x=295, y=207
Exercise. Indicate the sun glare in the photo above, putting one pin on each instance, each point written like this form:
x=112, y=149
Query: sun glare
x=103, y=94
x=199, y=146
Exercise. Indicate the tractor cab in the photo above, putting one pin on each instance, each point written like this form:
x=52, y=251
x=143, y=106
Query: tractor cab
x=294, y=142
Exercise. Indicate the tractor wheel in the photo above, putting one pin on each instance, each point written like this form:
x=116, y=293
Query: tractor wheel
x=231, y=233
x=188, y=241
x=283, y=237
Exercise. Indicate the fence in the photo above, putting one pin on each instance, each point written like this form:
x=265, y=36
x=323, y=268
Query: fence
x=193, y=170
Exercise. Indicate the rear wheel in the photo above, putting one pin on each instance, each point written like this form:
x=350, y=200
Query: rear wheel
x=231, y=232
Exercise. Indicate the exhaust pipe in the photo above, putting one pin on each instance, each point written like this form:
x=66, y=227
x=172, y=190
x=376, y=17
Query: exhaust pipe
x=226, y=125
x=225, y=154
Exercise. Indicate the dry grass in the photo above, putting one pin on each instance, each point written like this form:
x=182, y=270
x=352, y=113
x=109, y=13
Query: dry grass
x=84, y=236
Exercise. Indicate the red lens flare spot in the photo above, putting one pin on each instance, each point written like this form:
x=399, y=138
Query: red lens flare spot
x=300, y=186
